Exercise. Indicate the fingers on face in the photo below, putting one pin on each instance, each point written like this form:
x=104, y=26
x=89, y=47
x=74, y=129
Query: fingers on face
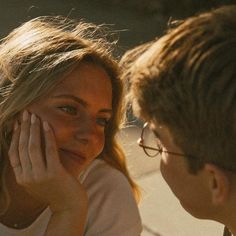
x=13, y=151
x=24, y=142
x=25, y=153
x=51, y=153
x=36, y=155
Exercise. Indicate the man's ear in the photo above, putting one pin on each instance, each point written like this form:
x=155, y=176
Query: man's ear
x=218, y=182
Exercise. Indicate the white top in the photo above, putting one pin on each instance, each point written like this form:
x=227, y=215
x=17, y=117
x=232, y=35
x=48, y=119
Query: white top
x=112, y=207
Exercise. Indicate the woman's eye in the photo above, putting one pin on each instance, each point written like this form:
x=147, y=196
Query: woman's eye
x=69, y=109
x=102, y=121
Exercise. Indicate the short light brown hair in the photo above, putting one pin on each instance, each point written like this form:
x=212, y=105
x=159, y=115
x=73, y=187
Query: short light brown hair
x=186, y=80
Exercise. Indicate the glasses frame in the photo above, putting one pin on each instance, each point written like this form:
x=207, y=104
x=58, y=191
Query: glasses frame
x=159, y=150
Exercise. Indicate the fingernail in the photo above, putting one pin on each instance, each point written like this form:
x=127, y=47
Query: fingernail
x=16, y=125
x=25, y=115
x=33, y=118
x=46, y=126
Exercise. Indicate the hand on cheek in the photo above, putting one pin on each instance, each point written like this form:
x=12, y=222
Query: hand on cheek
x=39, y=171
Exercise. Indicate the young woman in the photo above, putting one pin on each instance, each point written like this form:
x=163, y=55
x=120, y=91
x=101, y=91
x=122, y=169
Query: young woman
x=62, y=171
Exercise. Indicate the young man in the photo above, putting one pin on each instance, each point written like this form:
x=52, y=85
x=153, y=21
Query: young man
x=184, y=86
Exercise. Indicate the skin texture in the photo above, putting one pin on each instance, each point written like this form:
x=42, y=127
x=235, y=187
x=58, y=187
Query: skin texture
x=78, y=110
x=209, y=194
x=192, y=191
x=56, y=138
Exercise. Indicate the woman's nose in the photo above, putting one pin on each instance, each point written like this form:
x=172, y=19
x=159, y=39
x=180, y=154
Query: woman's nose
x=88, y=132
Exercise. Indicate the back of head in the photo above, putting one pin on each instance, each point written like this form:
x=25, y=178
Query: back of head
x=186, y=81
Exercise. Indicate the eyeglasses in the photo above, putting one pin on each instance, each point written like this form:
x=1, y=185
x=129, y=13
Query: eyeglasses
x=148, y=142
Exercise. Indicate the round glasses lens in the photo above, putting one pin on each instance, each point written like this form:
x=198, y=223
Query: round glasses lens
x=149, y=140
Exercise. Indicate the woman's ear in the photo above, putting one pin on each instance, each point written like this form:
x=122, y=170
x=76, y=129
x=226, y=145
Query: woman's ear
x=218, y=182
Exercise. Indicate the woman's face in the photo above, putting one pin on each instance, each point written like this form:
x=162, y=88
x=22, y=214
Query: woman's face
x=78, y=110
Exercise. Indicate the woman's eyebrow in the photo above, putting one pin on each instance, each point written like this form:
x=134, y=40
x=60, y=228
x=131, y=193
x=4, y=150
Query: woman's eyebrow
x=81, y=101
x=72, y=97
x=106, y=111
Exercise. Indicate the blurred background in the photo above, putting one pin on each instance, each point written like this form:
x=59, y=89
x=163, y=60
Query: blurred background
x=135, y=22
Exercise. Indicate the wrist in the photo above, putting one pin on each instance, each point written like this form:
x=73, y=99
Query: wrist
x=75, y=205
x=74, y=198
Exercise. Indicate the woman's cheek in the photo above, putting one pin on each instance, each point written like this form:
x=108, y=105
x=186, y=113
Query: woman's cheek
x=100, y=143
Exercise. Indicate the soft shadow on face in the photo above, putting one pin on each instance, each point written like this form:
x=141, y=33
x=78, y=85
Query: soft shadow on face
x=191, y=190
x=78, y=109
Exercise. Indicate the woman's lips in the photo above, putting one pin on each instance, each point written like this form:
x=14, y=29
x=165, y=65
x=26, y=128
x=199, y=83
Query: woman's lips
x=77, y=157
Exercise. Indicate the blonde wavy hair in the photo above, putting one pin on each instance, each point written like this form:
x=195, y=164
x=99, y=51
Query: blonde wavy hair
x=34, y=58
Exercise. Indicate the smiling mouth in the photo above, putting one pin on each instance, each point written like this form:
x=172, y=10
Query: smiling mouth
x=74, y=156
